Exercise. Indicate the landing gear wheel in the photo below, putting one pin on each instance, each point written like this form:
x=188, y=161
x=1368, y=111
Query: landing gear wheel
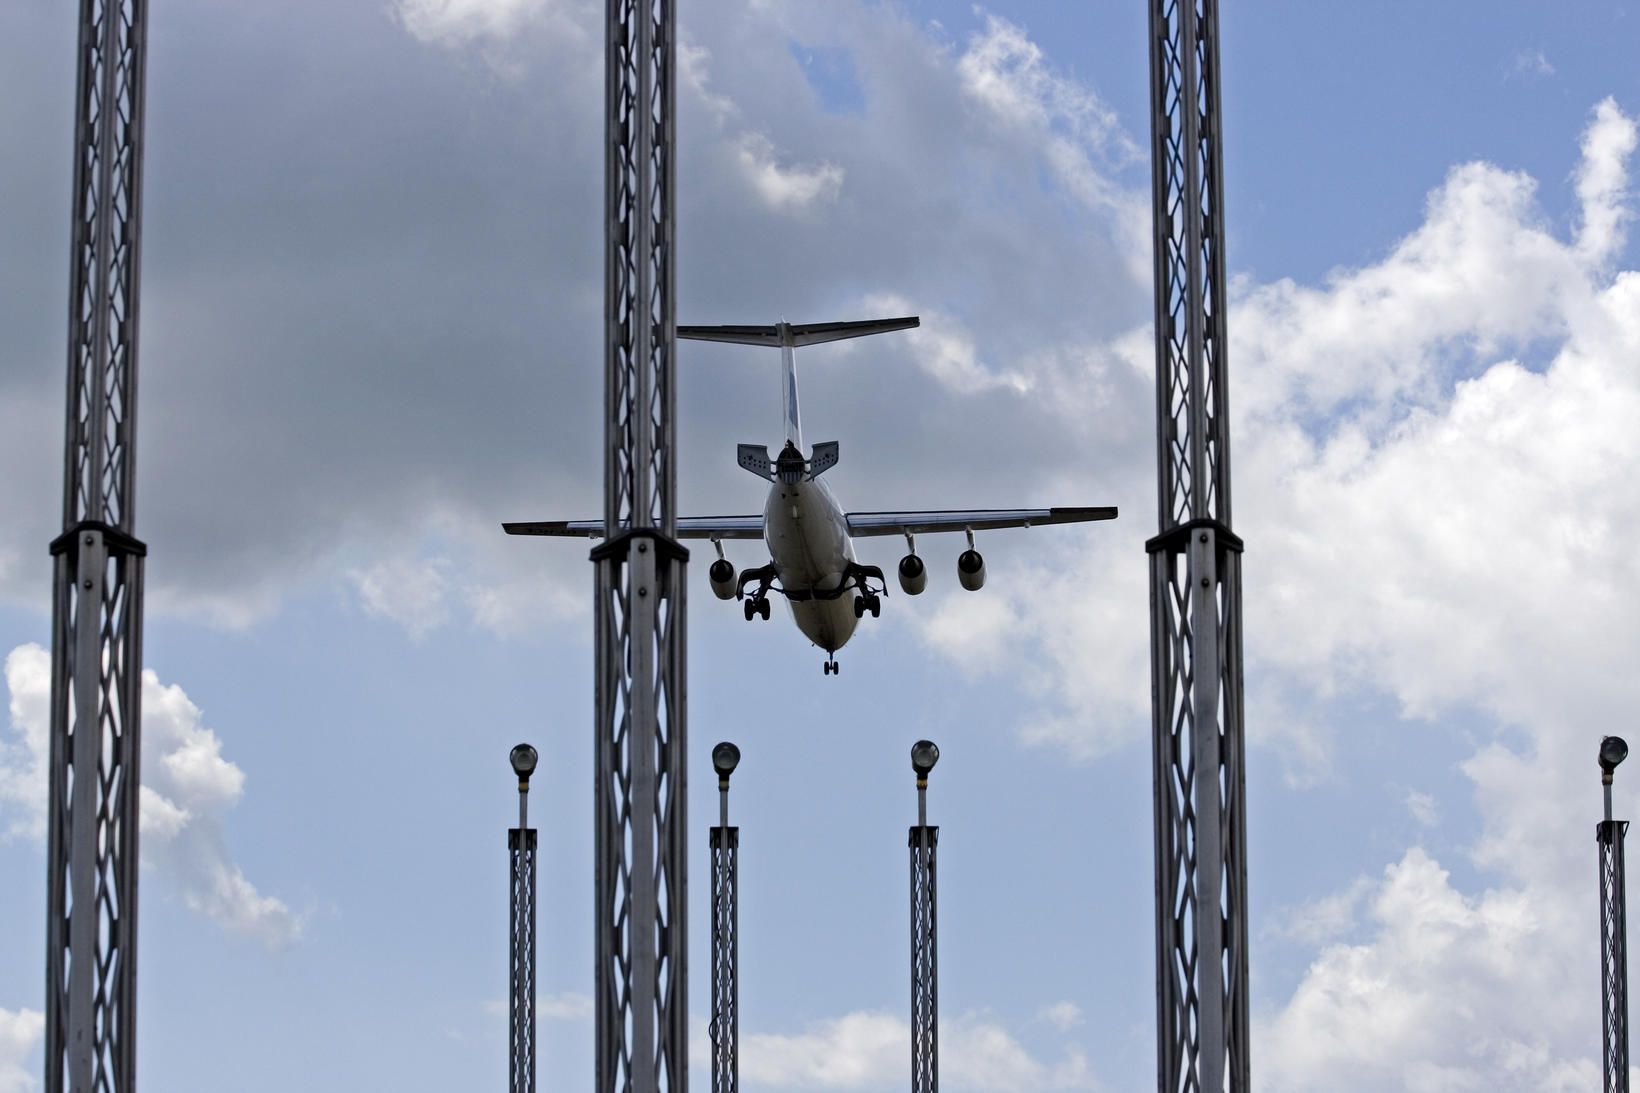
x=763, y=608
x=750, y=607
x=830, y=668
x=859, y=607
x=874, y=605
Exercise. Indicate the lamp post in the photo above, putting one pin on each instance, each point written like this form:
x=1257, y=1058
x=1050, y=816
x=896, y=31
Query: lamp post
x=521, y=844
x=925, y=1001
x=725, y=844
x=1614, y=960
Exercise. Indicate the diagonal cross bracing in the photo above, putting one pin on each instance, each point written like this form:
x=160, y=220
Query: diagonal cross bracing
x=1195, y=590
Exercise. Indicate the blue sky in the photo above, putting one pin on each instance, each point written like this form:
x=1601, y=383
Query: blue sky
x=370, y=335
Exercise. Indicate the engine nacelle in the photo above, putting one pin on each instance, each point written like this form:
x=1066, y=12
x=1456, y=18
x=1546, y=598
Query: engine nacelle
x=971, y=570
x=913, y=575
x=722, y=576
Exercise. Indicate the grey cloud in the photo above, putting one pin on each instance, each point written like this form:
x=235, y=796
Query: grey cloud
x=372, y=285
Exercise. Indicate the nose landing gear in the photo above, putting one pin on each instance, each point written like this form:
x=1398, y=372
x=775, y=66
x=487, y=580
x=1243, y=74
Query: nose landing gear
x=831, y=667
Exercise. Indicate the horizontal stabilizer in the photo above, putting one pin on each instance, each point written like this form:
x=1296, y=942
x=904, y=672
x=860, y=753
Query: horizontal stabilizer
x=755, y=458
x=794, y=334
x=823, y=459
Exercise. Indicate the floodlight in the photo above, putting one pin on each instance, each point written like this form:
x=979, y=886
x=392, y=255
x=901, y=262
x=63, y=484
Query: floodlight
x=1613, y=750
x=725, y=758
x=523, y=759
x=924, y=754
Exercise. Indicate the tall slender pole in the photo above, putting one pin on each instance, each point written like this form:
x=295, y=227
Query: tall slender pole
x=521, y=979
x=925, y=991
x=640, y=825
x=725, y=845
x=1195, y=584
x=96, y=681
x=1614, y=958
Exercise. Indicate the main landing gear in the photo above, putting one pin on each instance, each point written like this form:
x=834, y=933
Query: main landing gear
x=867, y=601
x=757, y=602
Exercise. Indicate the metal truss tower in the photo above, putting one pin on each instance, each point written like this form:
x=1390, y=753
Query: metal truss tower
x=1614, y=929
x=521, y=932
x=925, y=980
x=641, y=989
x=1195, y=582
x=96, y=646
x=725, y=846
x=1614, y=957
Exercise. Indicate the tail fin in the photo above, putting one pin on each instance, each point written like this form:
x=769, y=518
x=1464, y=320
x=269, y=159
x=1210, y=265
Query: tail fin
x=787, y=337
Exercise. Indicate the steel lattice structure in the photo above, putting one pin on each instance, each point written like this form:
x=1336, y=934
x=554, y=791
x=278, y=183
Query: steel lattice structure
x=96, y=683
x=925, y=988
x=725, y=1027
x=1195, y=591
x=641, y=991
x=1614, y=955
x=521, y=962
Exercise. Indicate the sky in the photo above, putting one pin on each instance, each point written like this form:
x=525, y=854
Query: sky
x=371, y=308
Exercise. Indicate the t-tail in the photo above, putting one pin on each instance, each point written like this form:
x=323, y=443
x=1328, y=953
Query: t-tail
x=787, y=337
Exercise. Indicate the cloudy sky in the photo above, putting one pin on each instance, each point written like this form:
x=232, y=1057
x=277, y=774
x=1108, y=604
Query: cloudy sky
x=371, y=306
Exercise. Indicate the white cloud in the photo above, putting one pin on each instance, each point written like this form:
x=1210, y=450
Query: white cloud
x=1451, y=993
x=412, y=592
x=20, y=1034
x=564, y=1006
x=1064, y=1015
x=1430, y=518
x=25, y=757
x=466, y=22
x=1531, y=62
x=187, y=790
x=1423, y=807
x=869, y=1050
x=786, y=186
x=1062, y=120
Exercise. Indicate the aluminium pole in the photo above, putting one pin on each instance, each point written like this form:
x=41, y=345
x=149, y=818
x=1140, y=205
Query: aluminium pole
x=521, y=954
x=724, y=1030
x=1614, y=957
x=925, y=990
x=96, y=647
x=640, y=823
x=1195, y=583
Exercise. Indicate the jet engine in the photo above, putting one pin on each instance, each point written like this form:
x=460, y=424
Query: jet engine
x=971, y=569
x=913, y=575
x=722, y=575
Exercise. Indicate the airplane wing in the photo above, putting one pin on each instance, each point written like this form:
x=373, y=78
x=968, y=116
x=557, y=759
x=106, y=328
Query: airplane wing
x=689, y=527
x=919, y=523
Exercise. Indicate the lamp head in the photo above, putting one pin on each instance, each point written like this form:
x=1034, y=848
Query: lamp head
x=725, y=758
x=523, y=759
x=924, y=754
x=1613, y=750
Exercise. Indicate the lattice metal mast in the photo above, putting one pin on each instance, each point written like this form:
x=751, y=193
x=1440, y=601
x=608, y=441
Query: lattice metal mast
x=925, y=986
x=725, y=846
x=96, y=683
x=1196, y=658
x=641, y=988
x=521, y=919
x=1614, y=930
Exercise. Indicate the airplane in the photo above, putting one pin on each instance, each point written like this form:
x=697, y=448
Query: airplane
x=810, y=538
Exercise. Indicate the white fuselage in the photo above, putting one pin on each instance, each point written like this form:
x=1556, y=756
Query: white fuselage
x=809, y=544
